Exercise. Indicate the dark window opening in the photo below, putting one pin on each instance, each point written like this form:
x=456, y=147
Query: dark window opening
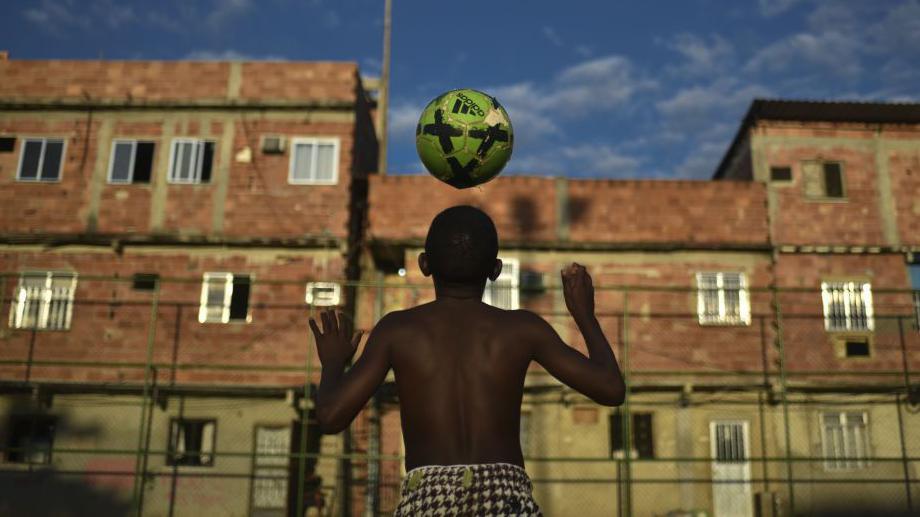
x=781, y=174
x=7, y=144
x=143, y=162
x=191, y=442
x=239, y=301
x=51, y=165
x=31, y=156
x=145, y=281
x=31, y=439
x=206, y=162
x=643, y=438
x=833, y=180
x=857, y=347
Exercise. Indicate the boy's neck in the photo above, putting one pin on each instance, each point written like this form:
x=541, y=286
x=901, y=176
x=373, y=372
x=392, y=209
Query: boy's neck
x=448, y=290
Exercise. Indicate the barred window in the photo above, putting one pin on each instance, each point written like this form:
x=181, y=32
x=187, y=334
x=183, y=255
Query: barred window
x=504, y=292
x=270, y=469
x=915, y=285
x=224, y=298
x=642, y=438
x=43, y=300
x=722, y=299
x=847, y=306
x=846, y=440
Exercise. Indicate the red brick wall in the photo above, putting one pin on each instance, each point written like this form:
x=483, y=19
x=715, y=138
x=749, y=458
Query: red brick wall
x=47, y=207
x=260, y=201
x=801, y=220
x=111, y=320
x=524, y=208
x=808, y=344
x=689, y=212
x=904, y=169
x=158, y=81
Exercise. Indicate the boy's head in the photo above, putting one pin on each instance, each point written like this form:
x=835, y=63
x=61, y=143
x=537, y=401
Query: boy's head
x=461, y=247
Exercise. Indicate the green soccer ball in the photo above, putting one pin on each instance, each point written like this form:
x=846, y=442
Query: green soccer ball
x=464, y=138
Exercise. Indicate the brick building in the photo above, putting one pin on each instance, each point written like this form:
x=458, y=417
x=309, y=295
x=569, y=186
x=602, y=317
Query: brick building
x=765, y=314
x=166, y=225
x=163, y=225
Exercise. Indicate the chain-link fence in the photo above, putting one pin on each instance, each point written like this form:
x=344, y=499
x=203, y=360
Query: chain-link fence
x=191, y=396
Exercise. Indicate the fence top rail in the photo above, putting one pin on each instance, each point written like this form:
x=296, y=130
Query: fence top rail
x=552, y=286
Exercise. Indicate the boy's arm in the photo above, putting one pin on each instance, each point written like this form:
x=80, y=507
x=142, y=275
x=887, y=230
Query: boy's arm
x=341, y=395
x=596, y=376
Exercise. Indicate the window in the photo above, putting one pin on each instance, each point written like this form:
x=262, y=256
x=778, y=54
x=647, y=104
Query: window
x=823, y=180
x=915, y=285
x=847, y=306
x=504, y=292
x=846, y=440
x=190, y=161
x=314, y=161
x=131, y=162
x=781, y=174
x=31, y=439
x=7, y=144
x=41, y=159
x=722, y=299
x=224, y=298
x=43, y=300
x=323, y=294
x=857, y=346
x=191, y=442
x=270, y=468
x=642, y=443
x=145, y=281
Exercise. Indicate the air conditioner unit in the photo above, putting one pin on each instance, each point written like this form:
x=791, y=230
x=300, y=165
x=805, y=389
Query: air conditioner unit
x=323, y=294
x=273, y=144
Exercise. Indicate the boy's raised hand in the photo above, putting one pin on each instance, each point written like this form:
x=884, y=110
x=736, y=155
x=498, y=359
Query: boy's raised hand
x=578, y=291
x=335, y=344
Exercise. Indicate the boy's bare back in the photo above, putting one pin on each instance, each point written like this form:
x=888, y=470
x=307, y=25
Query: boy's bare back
x=460, y=369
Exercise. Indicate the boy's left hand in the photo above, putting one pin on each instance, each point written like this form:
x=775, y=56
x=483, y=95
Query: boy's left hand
x=335, y=344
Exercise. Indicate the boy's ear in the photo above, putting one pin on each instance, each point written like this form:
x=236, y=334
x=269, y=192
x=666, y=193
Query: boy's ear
x=423, y=264
x=497, y=270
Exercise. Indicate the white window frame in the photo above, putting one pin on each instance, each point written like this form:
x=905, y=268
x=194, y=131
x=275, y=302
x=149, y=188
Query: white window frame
x=315, y=142
x=269, y=488
x=227, y=279
x=45, y=298
x=318, y=301
x=41, y=160
x=849, y=459
x=723, y=318
x=133, y=142
x=195, y=176
x=846, y=292
x=512, y=276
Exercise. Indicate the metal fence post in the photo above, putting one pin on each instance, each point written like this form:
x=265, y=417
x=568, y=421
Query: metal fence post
x=139, y=472
x=904, y=457
x=780, y=342
x=304, y=410
x=625, y=421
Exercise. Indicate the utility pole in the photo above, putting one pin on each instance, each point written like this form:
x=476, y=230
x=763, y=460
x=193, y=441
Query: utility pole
x=383, y=98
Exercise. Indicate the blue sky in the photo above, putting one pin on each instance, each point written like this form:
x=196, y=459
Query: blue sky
x=595, y=89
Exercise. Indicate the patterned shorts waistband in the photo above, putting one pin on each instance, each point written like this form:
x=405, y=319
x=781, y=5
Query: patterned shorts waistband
x=494, y=475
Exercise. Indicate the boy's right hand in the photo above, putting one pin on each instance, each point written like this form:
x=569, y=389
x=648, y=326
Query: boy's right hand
x=578, y=290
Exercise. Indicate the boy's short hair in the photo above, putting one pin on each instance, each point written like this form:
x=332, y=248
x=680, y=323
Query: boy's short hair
x=462, y=245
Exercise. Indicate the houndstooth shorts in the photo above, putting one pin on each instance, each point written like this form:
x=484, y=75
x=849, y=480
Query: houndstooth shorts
x=487, y=489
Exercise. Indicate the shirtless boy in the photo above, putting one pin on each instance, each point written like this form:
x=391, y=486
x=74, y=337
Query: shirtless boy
x=460, y=366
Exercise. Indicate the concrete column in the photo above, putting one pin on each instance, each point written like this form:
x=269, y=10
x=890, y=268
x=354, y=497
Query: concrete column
x=100, y=171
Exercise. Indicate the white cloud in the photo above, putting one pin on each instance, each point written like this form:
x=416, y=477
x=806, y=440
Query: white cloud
x=702, y=160
x=57, y=15
x=601, y=160
x=228, y=55
x=831, y=51
x=225, y=11
x=553, y=36
x=702, y=57
x=770, y=8
x=402, y=117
